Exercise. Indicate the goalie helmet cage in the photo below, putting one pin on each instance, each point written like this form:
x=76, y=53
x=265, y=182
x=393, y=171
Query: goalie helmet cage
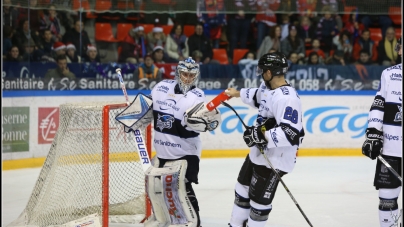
x=92, y=167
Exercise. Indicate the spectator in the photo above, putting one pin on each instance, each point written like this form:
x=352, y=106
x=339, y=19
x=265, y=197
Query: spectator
x=294, y=59
x=316, y=48
x=198, y=41
x=23, y=34
x=353, y=26
x=326, y=29
x=177, y=45
x=32, y=13
x=158, y=55
x=78, y=37
x=248, y=58
x=92, y=55
x=293, y=44
x=71, y=54
x=58, y=48
x=155, y=38
x=383, y=21
x=10, y=14
x=364, y=58
x=213, y=21
x=335, y=6
x=337, y=58
x=285, y=26
x=343, y=43
x=314, y=59
x=148, y=70
x=270, y=42
x=134, y=46
x=386, y=53
x=47, y=43
x=51, y=22
x=31, y=53
x=7, y=37
x=197, y=56
x=365, y=43
x=306, y=31
x=239, y=24
x=62, y=71
x=13, y=55
x=306, y=7
x=265, y=18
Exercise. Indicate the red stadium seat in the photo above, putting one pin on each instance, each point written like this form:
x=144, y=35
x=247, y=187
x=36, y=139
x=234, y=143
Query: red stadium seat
x=84, y=4
x=122, y=30
x=376, y=34
x=102, y=5
x=167, y=29
x=189, y=30
x=148, y=28
x=103, y=32
x=221, y=56
x=238, y=54
x=395, y=14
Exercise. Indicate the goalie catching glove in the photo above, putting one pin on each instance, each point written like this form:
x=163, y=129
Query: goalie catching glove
x=200, y=119
x=373, y=144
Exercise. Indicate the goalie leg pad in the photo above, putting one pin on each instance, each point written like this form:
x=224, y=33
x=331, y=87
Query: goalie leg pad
x=264, y=183
x=166, y=190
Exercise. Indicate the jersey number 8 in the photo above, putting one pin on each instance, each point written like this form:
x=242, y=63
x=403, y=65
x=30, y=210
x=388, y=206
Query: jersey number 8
x=291, y=115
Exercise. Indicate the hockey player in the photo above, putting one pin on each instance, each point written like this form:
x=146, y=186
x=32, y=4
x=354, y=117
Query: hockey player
x=178, y=121
x=280, y=111
x=384, y=137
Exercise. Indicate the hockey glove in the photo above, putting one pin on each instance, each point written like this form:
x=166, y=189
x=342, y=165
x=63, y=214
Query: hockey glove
x=373, y=144
x=269, y=123
x=254, y=136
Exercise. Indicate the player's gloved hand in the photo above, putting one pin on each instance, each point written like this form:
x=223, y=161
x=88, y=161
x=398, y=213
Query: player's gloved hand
x=254, y=136
x=373, y=144
x=269, y=123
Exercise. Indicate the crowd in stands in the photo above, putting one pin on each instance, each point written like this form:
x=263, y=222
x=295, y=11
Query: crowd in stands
x=316, y=35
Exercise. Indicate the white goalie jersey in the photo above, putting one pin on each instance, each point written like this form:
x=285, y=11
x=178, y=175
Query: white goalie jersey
x=172, y=138
x=284, y=105
x=386, y=111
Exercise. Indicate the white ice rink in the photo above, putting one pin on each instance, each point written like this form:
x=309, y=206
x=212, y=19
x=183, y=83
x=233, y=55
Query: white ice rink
x=332, y=191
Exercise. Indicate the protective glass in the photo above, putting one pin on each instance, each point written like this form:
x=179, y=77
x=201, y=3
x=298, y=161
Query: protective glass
x=259, y=71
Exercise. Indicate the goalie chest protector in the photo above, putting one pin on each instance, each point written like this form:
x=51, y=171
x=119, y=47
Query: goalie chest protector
x=171, y=137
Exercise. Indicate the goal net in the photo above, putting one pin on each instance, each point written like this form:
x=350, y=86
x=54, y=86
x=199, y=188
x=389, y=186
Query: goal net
x=92, y=168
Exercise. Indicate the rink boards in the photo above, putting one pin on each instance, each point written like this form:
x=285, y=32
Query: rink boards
x=334, y=124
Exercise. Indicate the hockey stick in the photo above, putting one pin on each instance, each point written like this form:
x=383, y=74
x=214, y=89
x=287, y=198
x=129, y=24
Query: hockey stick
x=138, y=138
x=270, y=164
x=390, y=168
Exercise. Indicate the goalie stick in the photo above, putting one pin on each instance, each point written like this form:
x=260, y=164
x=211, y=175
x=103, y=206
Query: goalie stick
x=137, y=133
x=390, y=168
x=270, y=164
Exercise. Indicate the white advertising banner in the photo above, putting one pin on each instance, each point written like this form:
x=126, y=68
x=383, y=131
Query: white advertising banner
x=329, y=122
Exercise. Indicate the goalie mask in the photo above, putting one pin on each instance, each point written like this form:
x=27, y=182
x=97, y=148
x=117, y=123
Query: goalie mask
x=187, y=74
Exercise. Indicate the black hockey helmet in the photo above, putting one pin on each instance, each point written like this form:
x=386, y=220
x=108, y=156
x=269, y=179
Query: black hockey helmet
x=276, y=62
x=397, y=48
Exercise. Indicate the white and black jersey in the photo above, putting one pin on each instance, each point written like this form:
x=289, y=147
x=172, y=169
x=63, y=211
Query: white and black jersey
x=386, y=111
x=172, y=138
x=284, y=105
